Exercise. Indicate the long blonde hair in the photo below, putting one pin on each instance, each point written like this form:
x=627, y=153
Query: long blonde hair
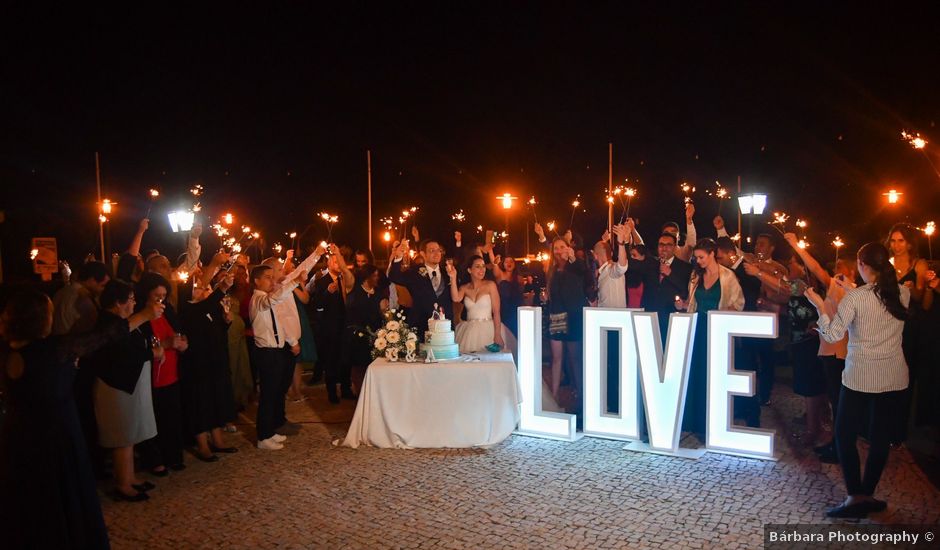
x=553, y=264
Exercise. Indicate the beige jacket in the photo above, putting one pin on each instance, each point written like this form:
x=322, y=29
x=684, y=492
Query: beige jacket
x=732, y=298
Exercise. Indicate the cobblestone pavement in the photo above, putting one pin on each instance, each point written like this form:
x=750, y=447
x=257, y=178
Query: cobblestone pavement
x=524, y=493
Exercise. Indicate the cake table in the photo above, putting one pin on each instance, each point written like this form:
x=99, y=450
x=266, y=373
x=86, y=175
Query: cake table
x=464, y=403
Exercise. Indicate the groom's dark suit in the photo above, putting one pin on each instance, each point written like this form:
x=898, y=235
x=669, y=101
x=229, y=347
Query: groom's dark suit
x=417, y=279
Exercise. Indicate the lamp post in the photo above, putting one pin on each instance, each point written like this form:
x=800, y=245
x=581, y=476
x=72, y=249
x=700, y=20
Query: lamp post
x=753, y=204
x=506, y=200
x=105, y=207
x=893, y=196
x=181, y=220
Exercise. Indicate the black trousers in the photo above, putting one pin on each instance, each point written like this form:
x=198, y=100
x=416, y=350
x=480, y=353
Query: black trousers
x=272, y=365
x=832, y=368
x=166, y=449
x=875, y=413
x=746, y=359
x=764, y=348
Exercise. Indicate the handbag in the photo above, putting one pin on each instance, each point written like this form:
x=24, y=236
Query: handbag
x=558, y=323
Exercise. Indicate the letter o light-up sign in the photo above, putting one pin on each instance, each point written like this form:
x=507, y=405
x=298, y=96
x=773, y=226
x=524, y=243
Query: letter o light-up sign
x=664, y=376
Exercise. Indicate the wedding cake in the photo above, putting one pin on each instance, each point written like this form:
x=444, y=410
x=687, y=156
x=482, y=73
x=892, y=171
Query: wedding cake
x=439, y=340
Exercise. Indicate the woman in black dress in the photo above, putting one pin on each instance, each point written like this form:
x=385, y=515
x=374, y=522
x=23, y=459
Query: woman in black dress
x=47, y=488
x=566, y=301
x=205, y=377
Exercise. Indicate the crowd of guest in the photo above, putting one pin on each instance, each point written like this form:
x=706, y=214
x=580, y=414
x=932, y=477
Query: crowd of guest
x=131, y=364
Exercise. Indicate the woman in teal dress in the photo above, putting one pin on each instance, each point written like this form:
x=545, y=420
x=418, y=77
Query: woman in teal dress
x=712, y=287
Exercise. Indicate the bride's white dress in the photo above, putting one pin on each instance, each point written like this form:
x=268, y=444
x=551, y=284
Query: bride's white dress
x=477, y=332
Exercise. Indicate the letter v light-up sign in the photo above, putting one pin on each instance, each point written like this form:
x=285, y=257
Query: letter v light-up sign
x=597, y=421
x=665, y=377
x=724, y=382
x=532, y=420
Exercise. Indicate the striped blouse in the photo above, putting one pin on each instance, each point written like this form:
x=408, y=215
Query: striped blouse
x=874, y=363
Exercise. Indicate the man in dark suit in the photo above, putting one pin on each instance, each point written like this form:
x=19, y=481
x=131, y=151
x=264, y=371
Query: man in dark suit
x=428, y=283
x=745, y=349
x=664, y=278
x=328, y=293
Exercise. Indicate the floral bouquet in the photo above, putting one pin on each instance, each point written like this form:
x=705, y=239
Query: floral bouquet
x=395, y=340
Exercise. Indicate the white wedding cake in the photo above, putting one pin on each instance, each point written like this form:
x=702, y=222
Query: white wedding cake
x=440, y=338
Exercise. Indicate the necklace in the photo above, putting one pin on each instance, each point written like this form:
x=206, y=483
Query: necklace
x=369, y=292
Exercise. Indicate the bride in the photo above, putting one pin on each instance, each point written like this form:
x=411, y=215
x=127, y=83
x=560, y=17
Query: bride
x=480, y=297
x=483, y=325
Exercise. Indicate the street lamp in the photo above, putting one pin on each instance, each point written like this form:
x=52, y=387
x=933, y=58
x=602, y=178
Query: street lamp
x=506, y=199
x=893, y=196
x=754, y=204
x=181, y=220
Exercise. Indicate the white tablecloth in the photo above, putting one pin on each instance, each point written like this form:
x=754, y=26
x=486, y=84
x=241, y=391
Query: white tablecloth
x=447, y=404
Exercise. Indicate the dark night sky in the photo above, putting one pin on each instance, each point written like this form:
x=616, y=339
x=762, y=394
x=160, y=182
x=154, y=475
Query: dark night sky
x=272, y=110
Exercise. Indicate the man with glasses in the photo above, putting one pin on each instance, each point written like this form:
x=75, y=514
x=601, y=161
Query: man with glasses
x=665, y=277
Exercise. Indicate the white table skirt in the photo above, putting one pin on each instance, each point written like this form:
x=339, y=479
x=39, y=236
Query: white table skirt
x=447, y=404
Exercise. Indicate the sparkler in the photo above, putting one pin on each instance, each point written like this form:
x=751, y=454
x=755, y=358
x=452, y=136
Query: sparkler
x=837, y=243
x=330, y=219
x=551, y=227
x=803, y=243
x=228, y=218
x=574, y=208
x=277, y=248
x=33, y=253
x=929, y=229
x=182, y=275
x=687, y=190
x=720, y=193
x=780, y=222
x=531, y=204
x=915, y=140
x=153, y=196
x=801, y=223
x=459, y=216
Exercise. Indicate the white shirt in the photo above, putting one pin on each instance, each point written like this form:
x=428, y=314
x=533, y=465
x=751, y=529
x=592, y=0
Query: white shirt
x=281, y=302
x=611, y=290
x=875, y=362
x=262, y=312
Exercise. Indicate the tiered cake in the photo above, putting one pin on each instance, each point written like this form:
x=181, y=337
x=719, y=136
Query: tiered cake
x=440, y=338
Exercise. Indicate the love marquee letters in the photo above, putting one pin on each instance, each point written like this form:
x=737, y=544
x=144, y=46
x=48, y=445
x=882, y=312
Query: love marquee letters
x=660, y=375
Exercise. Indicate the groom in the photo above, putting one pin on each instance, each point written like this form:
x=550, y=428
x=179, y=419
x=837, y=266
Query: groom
x=428, y=284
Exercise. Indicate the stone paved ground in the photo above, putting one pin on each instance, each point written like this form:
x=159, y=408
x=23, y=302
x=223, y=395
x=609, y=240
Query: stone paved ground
x=525, y=493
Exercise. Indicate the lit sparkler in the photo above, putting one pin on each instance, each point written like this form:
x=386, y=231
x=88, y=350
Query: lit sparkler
x=330, y=220
x=687, y=190
x=914, y=140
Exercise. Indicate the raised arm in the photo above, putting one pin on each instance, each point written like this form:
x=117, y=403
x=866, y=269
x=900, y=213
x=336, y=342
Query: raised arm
x=193, y=248
x=456, y=294
x=811, y=264
x=691, y=237
x=134, y=248
x=349, y=280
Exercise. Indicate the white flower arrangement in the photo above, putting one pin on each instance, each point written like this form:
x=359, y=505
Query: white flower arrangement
x=395, y=340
